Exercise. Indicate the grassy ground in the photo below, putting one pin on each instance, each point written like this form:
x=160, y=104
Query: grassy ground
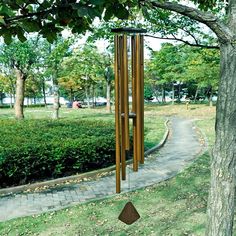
x=174, y=207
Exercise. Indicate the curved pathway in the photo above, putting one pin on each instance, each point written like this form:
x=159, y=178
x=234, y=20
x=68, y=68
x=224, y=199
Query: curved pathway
x=181, y=148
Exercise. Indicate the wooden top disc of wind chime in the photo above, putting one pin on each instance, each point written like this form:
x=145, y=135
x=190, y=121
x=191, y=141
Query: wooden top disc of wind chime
x=128, y=30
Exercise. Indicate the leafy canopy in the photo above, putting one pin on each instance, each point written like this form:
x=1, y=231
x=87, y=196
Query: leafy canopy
x=49, y=17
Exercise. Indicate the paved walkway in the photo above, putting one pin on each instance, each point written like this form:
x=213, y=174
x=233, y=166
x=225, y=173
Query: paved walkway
x=181, y=148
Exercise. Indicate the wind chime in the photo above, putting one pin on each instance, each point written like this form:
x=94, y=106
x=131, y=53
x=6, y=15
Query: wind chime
x=123, y=38
x=126, y=38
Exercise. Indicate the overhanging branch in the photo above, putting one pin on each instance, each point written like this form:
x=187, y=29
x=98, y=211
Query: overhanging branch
x=183, y=41
x=219, y=28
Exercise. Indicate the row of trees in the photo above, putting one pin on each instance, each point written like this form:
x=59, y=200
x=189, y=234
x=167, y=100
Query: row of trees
x=82, y=72
x=34, y=61
x=26, y=67
x=191, y=70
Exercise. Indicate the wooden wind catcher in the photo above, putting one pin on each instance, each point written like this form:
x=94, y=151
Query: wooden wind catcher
x=126, y=39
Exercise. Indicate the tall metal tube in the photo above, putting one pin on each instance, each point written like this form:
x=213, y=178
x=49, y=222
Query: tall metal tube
x=126, y=92
x=122, y=107
x=142, y=97
x=134, y=101
x=138, y=99
x=117, y=113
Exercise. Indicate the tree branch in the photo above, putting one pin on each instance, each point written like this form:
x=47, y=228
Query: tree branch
x=219, y=28
x=44, y=12
x=183, y=41
x=191, y=35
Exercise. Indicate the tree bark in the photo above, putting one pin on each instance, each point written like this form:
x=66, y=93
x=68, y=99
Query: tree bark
x=11, y=102
x=71, y=95
x=163, y=94
x=56, y=104
x=44, y=93
x=87, y=96
x=210, y=98
x=179, y=90
x=1, y=98
x=108, y=96
x=222, y=191
x=20, y=90
x=94, y=97
x=195, y=96
x=173, y=94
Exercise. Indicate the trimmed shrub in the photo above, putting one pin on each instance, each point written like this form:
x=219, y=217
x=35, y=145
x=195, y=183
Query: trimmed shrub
x=33, y=150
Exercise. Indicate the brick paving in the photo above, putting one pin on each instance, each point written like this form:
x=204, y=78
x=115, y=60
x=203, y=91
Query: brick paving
x=179, y=151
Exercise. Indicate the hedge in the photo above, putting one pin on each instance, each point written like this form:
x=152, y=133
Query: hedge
x=32, y=150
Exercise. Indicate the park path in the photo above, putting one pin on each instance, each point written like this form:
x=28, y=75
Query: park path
x=179, y=151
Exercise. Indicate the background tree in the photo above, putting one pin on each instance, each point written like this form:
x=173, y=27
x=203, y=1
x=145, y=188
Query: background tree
x=2, y=89
x=168, y=65
x=53, y=57
x=8, y=85
x=33, y=89
x=19, y=57
x=202, y=69
x=83, y=70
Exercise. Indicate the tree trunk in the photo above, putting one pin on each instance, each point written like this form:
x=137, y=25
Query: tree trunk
x=163, y=94
x=44, y=93
x=1, y=98
x=222, y=191
x=20, y=90
x=94, y=96
x=210, y=98
x=108, y=96
x=87, y=96
x=11, y=102
x=71, y=96
x=195, y=96
x=56, y=104
x=173, y=94
x=179, y=90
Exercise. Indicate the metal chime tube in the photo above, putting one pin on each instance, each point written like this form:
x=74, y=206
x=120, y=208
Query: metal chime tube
x=117, y=112
x=142, y=97
x=126, y=95
x=134, y=105
x=122, y=106
x=138, y=99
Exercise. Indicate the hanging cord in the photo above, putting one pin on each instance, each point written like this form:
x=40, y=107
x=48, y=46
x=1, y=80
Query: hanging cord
x=129, y=179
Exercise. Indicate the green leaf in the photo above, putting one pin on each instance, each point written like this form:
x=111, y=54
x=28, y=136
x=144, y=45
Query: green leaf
x=82, y=11
x=51, y=36
x=122, y=12
x=6, y=11
x=108, y=13
x=31, y=26
x=20, y=35
x=93, y=12
x=97, y=2
x=7, y=38
x=145, y=13
x=19, y=2
x=2, y=21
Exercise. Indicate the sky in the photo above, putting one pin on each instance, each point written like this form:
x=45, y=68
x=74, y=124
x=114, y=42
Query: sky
x=155, y=44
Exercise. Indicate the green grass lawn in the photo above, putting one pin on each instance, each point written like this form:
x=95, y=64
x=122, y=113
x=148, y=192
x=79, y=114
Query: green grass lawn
x=174, y=207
